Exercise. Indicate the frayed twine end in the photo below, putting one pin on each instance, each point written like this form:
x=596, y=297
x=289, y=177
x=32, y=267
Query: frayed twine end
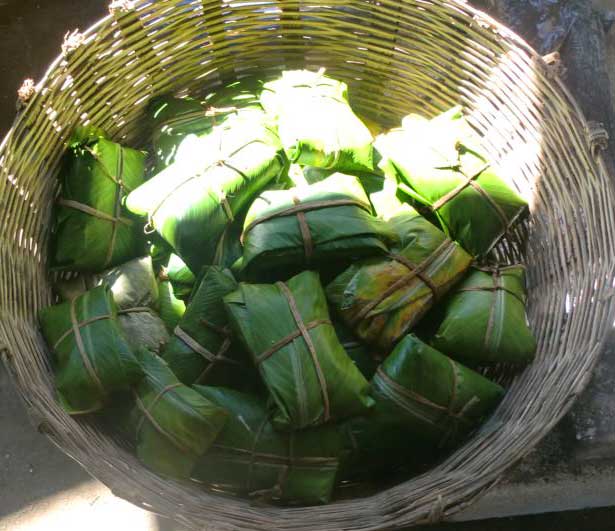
x=25, y=93
x=72, y=41
x=122, y=6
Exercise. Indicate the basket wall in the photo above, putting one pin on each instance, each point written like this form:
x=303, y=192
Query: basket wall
x=397, y=56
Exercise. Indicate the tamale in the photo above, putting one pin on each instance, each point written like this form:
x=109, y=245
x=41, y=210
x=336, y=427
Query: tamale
x=192, y=202
x=174, y=424
x=383, y=298
x=484, y=319
x=287, y=329
x=251, y=458
x=424, y=403
x=316, y=124
x=201, y=349
x=441, y=164
x=92, y=359
x=91, y=230
x=305, y=227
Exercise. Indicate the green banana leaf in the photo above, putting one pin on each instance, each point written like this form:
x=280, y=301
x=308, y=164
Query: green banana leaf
x=174, y=424
x=287, y=329
x=304, y=227
x=383, y=298
x=201, y=349
x=251, y=458
x=484, y=319
x=173, y=119
x=92, y=359
x=430, y=395
x=316, y=124
x=169, y=266
x=91, y=230
x=191, y=203
x=229, y=248
x=372, y=181
x=441, y=164
x=170, y=308
x=425, y=403
x=361, y=355
x=180, y=275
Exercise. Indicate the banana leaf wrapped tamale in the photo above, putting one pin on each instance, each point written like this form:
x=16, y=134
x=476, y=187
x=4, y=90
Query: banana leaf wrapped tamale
x=191, y=203
x=251, y=458
x=316, y=124
x=442, y=165
x=424, y=402
x=174, y=424
x=92, y=231
x=201, y=349
x=92, y=359
x=135, y=292
x=383, y=298
x=287, y=329
x=173, y=119
x=324, y=223
x=484, y=319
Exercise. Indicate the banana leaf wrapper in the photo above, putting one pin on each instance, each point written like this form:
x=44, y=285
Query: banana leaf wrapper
x=382, y=299
x=430, y=395
x=442, y=165
x=92, y=232
x=251, y=458
x=305, y=227
x=191, y=203
x=202, y=350
x=174, y=424
x=315, y=122
x=180, y=275
x=372, y=181
x=287, y=329
x=173, y=119
x=170, y=308
x=135, y=292
x=426, y=403
x=92, y=360
x=485, y=321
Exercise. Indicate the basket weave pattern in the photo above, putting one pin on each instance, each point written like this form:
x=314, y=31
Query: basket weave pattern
x=397, y=56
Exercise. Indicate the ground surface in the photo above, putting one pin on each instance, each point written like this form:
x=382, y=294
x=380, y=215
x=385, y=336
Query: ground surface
x=42, y=489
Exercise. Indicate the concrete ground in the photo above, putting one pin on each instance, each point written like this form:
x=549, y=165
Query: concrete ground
x=570, y=476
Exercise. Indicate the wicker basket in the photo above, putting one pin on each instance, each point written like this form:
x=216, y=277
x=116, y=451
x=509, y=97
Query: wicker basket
x=398, y=56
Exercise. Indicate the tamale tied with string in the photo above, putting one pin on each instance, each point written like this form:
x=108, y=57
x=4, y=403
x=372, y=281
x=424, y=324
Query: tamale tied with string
x=325, y=223
x=383, y=298
x=441, y=164
x=424, y=402
x=287, y=329
x=91, y=359
x=251, y=458
x=174, y=424
x=136, y=294
x=92, y=231
x=172, y=119
x=317, y=126
x=484, y=320
x=191, y=203
x=201, y=349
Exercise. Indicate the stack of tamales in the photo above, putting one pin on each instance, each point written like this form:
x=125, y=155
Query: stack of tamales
x=316, y=306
